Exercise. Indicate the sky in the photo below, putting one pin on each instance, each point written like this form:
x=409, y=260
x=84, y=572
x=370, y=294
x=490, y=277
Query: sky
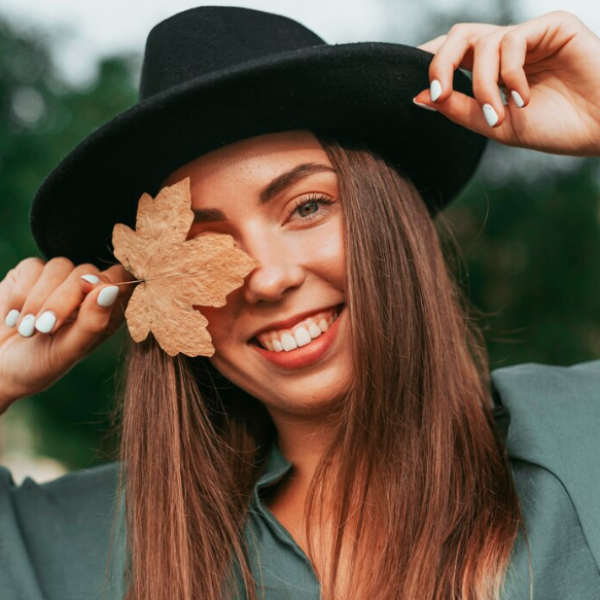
x=86, y=30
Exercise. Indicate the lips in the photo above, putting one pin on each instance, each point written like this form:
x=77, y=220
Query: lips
x=289, y=323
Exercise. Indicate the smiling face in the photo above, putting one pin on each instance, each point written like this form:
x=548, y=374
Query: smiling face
x=277, y=195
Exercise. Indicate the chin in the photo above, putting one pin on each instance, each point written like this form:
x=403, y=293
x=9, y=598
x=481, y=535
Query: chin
x=303, y=391
x=311, y=400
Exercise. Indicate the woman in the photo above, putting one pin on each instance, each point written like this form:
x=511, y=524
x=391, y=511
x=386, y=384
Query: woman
x=369, y=460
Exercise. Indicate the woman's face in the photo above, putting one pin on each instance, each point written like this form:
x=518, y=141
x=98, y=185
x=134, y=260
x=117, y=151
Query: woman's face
x=284, y=222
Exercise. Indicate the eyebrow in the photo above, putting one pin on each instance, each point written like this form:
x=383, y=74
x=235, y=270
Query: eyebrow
x=270, y=191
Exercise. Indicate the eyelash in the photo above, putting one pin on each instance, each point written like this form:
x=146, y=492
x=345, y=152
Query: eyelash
x=316, y=198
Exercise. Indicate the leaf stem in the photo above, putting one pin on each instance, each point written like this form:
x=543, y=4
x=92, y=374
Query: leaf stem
x=159, y=277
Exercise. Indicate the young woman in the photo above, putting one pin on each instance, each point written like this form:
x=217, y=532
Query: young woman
x=371, y=459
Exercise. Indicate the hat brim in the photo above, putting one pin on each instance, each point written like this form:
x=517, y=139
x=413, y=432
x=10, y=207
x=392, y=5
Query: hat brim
x=365, y=88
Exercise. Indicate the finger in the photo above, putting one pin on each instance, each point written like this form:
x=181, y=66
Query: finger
x=465, y=111
x=26, y=274
x=117, y=274
x=6, y=287
x=486, y=67
x=433, y=45
x=530, y=42
x=64, y=301
x=92, y=323
x=548, y=34
x=451, y=55
x=99, y=315
x=16, y=284
x=513, y=50
x=58, y=302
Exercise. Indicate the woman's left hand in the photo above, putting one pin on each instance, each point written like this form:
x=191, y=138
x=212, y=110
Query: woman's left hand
x=552, y=63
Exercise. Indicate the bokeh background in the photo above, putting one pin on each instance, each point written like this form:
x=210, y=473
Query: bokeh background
x=528, y=225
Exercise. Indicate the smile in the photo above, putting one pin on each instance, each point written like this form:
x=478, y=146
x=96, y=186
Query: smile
x=306, y=354
x=301, y=334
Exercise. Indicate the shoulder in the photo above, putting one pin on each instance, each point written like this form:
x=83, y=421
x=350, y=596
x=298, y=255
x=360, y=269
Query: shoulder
x=85, y=494
x=554, y=413
x=553, y=442
x=82, y=481
x=56, y=535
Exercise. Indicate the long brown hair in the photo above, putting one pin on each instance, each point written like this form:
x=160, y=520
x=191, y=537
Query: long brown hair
x=424, y=506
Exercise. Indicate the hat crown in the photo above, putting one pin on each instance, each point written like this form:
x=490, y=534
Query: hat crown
x=205, y=39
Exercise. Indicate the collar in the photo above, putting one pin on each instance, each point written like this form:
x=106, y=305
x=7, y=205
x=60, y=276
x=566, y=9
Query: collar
x=277, y=466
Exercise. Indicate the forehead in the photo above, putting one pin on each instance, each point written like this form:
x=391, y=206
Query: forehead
x=251, y=163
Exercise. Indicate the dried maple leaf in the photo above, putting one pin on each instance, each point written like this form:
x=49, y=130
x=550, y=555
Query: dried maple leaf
x=176, y=273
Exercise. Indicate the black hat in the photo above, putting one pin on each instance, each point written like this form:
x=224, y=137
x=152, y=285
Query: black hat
x=213, y=75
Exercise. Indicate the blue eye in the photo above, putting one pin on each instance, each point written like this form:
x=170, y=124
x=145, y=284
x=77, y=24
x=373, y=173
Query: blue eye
x=315, y=200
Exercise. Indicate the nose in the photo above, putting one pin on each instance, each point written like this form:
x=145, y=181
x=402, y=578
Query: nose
x=278, y=271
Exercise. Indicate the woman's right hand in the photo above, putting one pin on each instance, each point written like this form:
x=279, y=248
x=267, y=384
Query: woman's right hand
x=31, y=360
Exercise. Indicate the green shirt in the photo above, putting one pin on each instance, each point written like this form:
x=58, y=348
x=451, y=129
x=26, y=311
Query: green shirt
x=54, y=537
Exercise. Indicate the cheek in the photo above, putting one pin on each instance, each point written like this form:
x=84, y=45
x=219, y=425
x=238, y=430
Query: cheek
x=226, y=366
x=319, y=245
x=219, y=327
x=219, y=322
x=322, y=254
x=327, y=255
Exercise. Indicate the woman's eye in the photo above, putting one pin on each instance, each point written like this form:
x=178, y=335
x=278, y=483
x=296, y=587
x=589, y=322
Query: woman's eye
x=308, y=208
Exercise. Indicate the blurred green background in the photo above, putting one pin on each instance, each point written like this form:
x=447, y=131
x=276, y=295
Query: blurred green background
x=528, y=227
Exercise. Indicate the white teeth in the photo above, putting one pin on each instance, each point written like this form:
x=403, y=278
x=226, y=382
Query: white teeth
x=288, y=342
x=302, y=336
x=314, y=330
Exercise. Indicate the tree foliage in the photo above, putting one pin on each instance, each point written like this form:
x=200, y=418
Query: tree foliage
x=42, y=117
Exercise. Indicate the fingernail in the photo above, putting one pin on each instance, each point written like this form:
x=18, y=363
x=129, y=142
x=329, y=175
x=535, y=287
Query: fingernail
x=435, y=90
x=490, y=114
x=424, y=106
x=26, y=327
x=108, y=295
x=46, y=322
x=517, y=98
x=91, y=279
x=12, y=317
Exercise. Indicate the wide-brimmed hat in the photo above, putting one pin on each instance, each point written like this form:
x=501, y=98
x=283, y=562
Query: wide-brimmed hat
x=213, y=75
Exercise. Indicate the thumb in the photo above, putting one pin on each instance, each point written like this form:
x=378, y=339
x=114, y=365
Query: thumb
x=114, y=275
x=95, y=321
x=117, y=274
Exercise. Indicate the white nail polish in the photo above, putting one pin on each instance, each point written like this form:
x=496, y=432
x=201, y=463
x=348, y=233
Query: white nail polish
x=26, y=327
x=91, y=279
x=12, y=317
x=490, y=114
x=45, y=322
x=435, y=90
x=517, y=98
x=108, y=295
x=425, y=106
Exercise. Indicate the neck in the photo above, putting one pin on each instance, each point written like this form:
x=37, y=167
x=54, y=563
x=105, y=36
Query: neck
x=302, y=440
